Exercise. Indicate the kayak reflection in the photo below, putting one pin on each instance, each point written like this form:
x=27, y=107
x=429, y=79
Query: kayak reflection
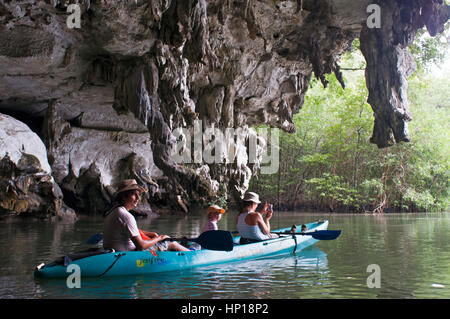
x=255, y=278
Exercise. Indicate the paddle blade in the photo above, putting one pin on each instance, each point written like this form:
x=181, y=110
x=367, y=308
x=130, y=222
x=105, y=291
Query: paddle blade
x=325, y=234
x=215, y=240
x=95, y=239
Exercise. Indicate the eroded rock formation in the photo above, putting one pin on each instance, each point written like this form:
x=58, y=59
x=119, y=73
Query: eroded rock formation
x=107, y=97
x=389, y=62
x=26, y=183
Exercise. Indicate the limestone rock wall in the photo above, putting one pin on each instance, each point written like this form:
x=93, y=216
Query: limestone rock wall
x=26, y=183
x=106, y=97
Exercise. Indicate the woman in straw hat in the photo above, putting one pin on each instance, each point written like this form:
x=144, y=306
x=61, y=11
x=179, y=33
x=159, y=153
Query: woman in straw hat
x=254, y=226
x=120, y=230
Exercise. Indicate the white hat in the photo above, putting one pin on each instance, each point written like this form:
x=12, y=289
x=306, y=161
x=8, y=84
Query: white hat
x=251, y=197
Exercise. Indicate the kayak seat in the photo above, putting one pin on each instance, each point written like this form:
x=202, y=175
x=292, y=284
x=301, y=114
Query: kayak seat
x=67, y=259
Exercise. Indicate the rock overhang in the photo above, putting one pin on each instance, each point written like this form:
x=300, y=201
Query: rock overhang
x=165, y=64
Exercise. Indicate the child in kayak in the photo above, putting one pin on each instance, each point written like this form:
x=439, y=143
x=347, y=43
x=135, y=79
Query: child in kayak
x=214, y=213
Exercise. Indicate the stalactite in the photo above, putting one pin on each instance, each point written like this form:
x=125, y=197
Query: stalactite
x=135, y=67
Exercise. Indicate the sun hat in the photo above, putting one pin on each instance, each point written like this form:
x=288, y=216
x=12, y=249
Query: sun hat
x=215, y=209
x=130, y=184
x=251, y=197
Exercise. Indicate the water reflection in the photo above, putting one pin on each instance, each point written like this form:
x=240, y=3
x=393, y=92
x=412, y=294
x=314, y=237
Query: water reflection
x=412, y=250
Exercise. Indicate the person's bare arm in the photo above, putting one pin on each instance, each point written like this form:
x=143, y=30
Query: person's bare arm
x=264, y=223
x=150, y=233
x=144, y=244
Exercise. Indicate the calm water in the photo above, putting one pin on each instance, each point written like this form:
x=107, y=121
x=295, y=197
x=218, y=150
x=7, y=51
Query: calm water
x=412, y=251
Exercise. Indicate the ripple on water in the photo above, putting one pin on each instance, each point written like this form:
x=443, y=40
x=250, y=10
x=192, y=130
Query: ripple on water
x=413, y=253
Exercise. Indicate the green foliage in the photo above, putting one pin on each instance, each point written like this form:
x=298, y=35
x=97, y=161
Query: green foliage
x=329, y=163
x=369, y=190
x=333, y=190
x=430, y=50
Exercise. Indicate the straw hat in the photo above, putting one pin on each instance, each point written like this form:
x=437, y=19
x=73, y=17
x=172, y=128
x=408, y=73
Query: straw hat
x=251, y=197
x=215, y=209
x=130, y=184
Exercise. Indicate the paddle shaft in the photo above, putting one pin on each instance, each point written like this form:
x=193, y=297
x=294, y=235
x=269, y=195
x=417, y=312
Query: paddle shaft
x=213, y=240
x=289, y=233
x=180, y=239
x=96, y=238
x=317, y=234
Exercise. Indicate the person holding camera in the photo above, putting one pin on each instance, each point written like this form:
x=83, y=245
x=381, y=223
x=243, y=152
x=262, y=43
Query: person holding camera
x=252, y=225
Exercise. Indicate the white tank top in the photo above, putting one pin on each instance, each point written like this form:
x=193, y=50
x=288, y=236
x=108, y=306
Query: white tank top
x=247, y=231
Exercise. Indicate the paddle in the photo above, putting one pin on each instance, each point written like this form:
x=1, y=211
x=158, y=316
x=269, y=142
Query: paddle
x=95, y=239
x=317, y=234
x=212, y=240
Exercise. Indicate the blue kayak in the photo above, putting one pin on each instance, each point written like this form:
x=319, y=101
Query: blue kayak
x=104, y=263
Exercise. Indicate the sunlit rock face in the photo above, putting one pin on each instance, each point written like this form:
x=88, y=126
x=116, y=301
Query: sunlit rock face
x=107, y=97
x=26, y=183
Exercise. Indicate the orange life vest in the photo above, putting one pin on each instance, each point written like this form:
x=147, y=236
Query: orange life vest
x=144, y=236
